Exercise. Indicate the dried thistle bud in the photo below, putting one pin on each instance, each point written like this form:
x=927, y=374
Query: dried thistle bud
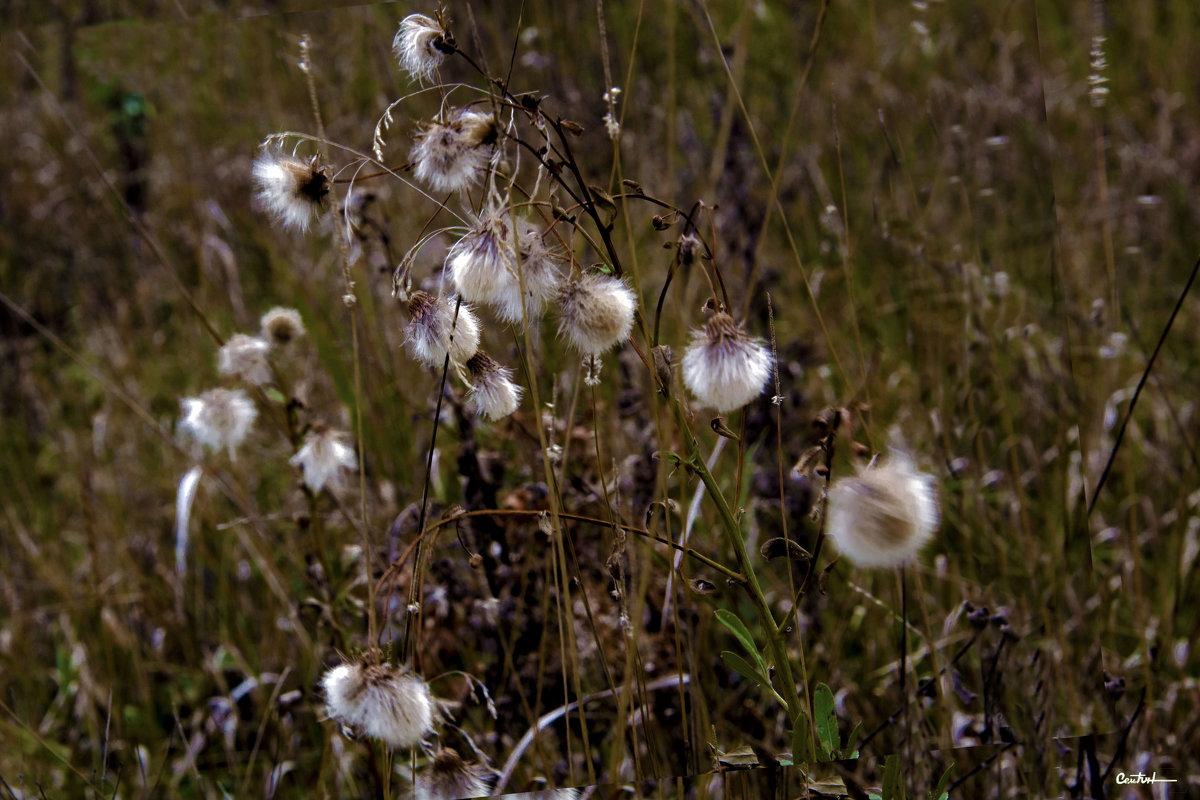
x=323, y=457
x=292, y=190
x=493, y=394
x=450, y=156
x=421, y=45
x=245, y=357
x=723, y=367
x=218, y=419
x=779, y=547
x=379, y=701
x=689, y=247
x=449, y=777
x=481, y=262
x=884, y=515
x=433, y=330
x=282, y=326
x=596, y=313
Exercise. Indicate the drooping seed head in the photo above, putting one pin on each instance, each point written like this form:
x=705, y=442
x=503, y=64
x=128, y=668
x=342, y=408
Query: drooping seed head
x=379, y=701
x=323, y=457
x=481, y=263
x=596, y=313
x=883, y=516
x=493, y=394
x=246, y=357
x=433, y=330
x=448, y=777
x=538, y=267
x=292, y=190
x=450, y=156
x=421, y=45
x=282, y=326
x=218, y=419
x=723, y=367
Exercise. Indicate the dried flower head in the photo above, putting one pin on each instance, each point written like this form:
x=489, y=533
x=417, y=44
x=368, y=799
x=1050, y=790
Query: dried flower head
x=421, y=45
x=291, y=189
x=379, y=701
x=449, y=156
x=282, y=326
x=323, y=457
x=481, y=262
x=245, y=357
x=448, y=777
x=596, y=313
x=723, y=367
x=546, y=794
x=539, y=276
x=493, y=394
x=434, y=331
x=884, y=515
x=219, y=418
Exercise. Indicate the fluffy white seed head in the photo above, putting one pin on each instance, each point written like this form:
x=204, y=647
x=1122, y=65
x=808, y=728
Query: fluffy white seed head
x=379, y=701
x=450, y=156
x=218, y=419
x=481, y=263
x=282, y=326
x=883, y=516
x=292, y=190
x=245, y=357
x=323, y=457
x=421, y=45
x=546, y=794
x=493, y=394
x=448, y=777
x=723, y=367
x=433, y=330
x=538, y=267
x=596, y=313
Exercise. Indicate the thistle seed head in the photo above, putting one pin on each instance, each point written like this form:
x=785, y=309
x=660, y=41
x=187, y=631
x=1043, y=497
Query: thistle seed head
x=596, y=313
x=434, y=331
x=539, y=275
x=448, y=776
x=450, y=156
x=246, y=357
x=481, y=263
x=282, y=326
x=292, y=190
x=884, y=515
x=493, y=394
x=379, y=701
x=421, y=45
x=218, y=419
x=723, y=367
x=323, y=457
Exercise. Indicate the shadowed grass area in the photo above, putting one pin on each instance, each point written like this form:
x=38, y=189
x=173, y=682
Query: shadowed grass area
x=962, y=230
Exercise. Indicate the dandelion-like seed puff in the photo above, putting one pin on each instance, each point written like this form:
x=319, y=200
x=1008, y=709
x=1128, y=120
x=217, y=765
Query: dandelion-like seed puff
x=596, y=313
x=323, y=457
x=433, y=331
x=218, y=419
x=448, y=776
x=379, y=701
x=246, y=357
x=723, y=367
x=450, y=156
x=421, y=45
x=481, y=262
x=493, y=394
x=282, y=326
x=292, y=190
x=883, y=516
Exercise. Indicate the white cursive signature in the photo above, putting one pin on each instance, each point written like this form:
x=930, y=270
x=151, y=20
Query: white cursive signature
x=1141, y=777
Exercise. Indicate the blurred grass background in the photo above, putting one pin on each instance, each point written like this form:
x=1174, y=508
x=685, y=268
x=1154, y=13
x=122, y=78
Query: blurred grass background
x=991, y=256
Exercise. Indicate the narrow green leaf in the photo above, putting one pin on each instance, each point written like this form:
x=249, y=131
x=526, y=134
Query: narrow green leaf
x=275, y=395
x=739, y=629
x=850, y=749
x=742, y=667
x=941, y=792
x=803, y=751
x=893, y=781
x=827, y=726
